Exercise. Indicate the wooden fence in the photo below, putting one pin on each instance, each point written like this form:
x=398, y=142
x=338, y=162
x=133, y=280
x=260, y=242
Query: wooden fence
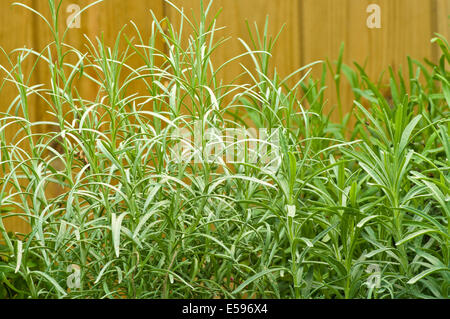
x=314, y=30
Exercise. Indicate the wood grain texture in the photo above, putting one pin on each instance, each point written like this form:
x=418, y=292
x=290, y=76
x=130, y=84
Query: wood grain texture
x=104, y=21
x=315, y=30
x=406, y=29
x=19, y=27
x=16, y=31
x=233, y=16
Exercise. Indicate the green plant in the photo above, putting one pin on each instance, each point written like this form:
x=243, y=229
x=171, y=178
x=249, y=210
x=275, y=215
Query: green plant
x=305, y=222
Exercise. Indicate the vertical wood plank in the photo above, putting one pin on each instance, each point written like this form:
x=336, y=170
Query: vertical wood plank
x=104, y=20
x=286, y=55
x=19, y=27
x=405, y=30
x=16, y=31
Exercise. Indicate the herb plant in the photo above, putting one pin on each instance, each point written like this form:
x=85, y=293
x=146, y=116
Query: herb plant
x=334, y=213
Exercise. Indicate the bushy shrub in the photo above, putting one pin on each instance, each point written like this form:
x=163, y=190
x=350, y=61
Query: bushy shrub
x=318, y=211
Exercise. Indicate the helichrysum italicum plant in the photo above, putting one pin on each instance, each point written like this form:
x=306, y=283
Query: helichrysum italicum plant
x=151, y=205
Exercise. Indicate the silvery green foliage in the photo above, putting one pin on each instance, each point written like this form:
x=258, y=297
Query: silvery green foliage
x=143, y=210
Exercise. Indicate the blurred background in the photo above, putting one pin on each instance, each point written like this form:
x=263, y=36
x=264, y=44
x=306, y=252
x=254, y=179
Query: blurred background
x=313, y=30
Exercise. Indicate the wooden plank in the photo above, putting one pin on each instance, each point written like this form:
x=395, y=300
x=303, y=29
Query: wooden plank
x=286, y=55
x=405, y=30
x=16, y=26
x=16, y=31
x=316, y=29
x=440, y=21
x=106, y=18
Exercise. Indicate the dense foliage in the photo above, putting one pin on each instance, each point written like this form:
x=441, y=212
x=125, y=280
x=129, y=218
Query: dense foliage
x=338, y=213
